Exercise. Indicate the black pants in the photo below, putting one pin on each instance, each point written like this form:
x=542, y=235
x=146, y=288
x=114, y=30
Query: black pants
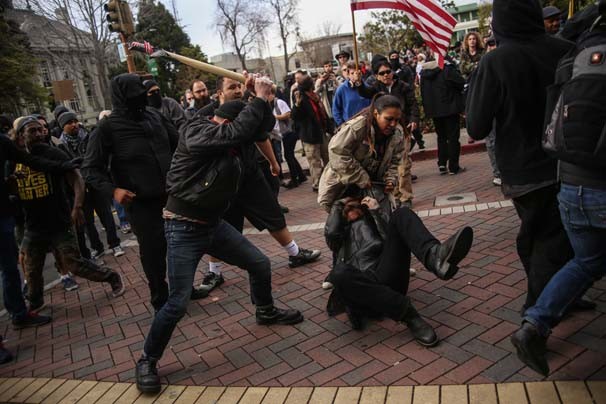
x=256, y=202
x=273, y=182
x=145, y=217
x=449, y=148
x=289, y=140
x=96, y=202
x=417, y=137
x=542, y=243
x=384, y=291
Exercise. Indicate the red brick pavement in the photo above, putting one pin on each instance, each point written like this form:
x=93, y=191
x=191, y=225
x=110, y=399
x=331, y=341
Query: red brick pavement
x=218, y=343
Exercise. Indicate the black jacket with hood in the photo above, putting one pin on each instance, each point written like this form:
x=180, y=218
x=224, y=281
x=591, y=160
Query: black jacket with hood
x=441, y=90
x=207, y=167
x=510, y=86
x=134, y=142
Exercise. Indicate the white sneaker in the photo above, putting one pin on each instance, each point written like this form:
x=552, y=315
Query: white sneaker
x=326, y=285
x=413, y=272
x=497, y=181
x=118, y=251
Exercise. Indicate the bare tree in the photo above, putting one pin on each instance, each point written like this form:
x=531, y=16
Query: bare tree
x=287, y=22
x=74, y=28
x=329, y=28
x=240, y=23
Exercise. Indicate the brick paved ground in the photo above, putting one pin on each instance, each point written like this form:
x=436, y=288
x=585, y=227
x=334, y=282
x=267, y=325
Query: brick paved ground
x=218, y=343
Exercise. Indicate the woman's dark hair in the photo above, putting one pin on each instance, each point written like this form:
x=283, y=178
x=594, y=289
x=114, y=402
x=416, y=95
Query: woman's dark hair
x=380, y=102
x=307, y=84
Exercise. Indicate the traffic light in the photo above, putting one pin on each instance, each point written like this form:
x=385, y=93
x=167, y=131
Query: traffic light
x=119, y=17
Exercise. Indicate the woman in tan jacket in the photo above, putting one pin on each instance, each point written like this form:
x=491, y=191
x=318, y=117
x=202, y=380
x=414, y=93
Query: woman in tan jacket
x=366, y=150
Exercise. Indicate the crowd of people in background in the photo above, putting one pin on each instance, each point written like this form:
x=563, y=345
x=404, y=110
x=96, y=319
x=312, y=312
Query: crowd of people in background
x=183, y=175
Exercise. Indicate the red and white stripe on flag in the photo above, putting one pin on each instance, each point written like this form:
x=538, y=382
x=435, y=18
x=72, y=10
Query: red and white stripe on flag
x=435, y=25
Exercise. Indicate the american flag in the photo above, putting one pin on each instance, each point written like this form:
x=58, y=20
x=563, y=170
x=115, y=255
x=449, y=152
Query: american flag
x=429, y=18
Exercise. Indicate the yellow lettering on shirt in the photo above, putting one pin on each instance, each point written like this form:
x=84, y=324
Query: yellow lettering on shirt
x=33, y=184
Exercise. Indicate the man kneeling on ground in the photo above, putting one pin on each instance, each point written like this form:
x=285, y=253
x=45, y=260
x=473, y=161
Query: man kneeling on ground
x=373, y=259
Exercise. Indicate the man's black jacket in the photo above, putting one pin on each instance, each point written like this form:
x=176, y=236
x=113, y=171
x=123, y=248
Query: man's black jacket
x=207, y=167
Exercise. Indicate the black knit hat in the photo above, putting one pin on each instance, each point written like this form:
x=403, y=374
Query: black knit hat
x=66, y=117
x=230, y=110
x=60, y=109
x=392, y=52
x=377, y=61
x=149, y=84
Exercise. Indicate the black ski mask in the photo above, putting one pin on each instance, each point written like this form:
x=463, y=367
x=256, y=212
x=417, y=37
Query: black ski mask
x=155, y=99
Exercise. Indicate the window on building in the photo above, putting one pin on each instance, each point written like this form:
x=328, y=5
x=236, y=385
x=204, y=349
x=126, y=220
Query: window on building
x=46, y=74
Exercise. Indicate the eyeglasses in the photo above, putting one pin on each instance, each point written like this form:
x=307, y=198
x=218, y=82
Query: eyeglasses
x=384, y=72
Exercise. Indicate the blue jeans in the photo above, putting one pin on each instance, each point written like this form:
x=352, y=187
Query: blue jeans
x=583, y=212
x=121, y=213
x=187, y=243
x=11, y=280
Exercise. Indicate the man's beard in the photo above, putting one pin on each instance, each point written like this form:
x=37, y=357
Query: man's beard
x=200, y=103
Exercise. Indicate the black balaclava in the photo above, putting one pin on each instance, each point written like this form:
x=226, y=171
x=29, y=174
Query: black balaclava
x=154, y=100
x=395, y=63
x=128, y=95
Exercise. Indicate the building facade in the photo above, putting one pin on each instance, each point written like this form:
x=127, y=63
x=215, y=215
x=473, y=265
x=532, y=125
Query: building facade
x=59, y=58
x=467, y=20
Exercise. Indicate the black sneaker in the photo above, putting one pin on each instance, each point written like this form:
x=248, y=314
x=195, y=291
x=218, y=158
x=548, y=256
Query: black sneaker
x=531, y=348
x=147, y=377
x=211, y=280
x=443, y=259
x=31, y=319
x=304, y=257
x=117, y=284
x=423, y=332
x=273, y=315
x=284, y=209
x=443, y=170
x=197, y=294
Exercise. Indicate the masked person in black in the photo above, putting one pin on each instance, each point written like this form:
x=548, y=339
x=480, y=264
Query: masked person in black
x=166, y=105
x=203, y=181
x=514, y=95
x=139, y=142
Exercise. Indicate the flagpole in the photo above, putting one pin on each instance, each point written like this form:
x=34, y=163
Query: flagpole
x=355, y=40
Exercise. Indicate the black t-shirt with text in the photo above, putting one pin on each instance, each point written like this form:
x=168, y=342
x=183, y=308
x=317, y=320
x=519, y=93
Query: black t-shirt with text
x=43, y=195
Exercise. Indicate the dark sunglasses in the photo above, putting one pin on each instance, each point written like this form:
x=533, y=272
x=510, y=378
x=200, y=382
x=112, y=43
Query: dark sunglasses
x=384, y=72
x=491, y=43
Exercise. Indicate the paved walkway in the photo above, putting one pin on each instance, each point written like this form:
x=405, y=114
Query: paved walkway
x=28, y=390
x=96, y=338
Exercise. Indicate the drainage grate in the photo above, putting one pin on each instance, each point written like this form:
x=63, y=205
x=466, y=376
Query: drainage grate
x=456, y=199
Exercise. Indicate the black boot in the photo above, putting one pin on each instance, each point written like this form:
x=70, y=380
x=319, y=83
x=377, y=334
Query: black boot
x=147, y=377
x=272, y=315
x=443, y=259
x=531, y=347
x=420, y=329
x=197, y=294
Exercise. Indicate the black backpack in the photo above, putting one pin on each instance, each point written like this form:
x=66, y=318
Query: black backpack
x=576, y=106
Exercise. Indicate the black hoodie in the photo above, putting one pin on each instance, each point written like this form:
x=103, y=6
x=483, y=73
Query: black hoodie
x=510, y=86
x=138, y=141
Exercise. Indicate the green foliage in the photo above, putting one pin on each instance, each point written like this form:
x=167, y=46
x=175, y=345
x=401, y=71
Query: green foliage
x=484, y=13
x=389, y=30
x=157, y=26
x=18, y=75
x=187, y=74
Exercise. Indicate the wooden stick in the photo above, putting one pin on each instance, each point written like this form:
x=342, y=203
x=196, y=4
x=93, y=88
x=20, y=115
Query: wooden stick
x=205, y=67
x=355, y=40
